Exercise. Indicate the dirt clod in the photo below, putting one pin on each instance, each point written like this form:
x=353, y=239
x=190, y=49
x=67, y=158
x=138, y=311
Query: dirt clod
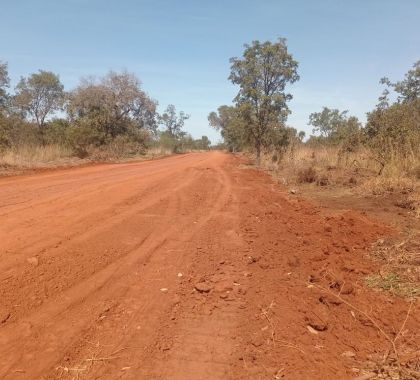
x=33, y=261
x=202, y=287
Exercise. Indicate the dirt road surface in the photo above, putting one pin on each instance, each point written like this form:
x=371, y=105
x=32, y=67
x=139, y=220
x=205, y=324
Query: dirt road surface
x=189, y=267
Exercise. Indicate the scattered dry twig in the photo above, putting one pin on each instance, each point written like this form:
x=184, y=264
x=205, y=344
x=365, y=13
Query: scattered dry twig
x=387, y=336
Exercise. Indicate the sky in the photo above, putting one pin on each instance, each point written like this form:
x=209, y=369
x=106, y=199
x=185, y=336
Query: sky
x=180, y=49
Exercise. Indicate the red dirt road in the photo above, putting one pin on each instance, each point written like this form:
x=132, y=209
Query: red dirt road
x=188, y=267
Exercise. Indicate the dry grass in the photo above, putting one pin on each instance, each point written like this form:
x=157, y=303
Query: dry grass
x=393, y=283
x=382, y=185
x=393, y=363
x=400, y=271
x=25, y=157
x=158, y=152
x=329, y=159
x=326, y=166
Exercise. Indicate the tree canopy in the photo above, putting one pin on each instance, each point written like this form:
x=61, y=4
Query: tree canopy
x=262, y=75
x=173, y=123
x=113, y=103
x=39, y=96
x=4, y=83
x=408, y=88
x=228, y=121
x=334, y=125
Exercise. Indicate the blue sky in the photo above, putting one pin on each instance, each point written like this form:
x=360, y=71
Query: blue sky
x=180, y=49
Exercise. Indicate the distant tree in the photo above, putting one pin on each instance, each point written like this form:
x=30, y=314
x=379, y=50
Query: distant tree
x=4, y=84
x=228, y=121
x=301, y=135
x=334, y=126
x=408, y=89
x=203, y=143
x=39, y=96
x=172, y=122
x=262, y=75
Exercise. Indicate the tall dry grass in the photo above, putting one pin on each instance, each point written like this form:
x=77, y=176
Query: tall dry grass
x=158, y=151
x=25, y=157
x=328, y=165
x=33, y=156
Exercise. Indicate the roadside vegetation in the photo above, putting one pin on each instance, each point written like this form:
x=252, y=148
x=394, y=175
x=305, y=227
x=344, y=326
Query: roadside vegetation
x=387, y=145
x=377, y=159
x=105, y=118
x=364, y=166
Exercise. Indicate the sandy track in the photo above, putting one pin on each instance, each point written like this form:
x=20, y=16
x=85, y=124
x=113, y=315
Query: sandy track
x=91, y=287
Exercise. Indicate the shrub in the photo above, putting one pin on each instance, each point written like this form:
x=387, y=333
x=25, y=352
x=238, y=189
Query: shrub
x=83, y=135
x=323, y=181
x=307, y=175
x=56, y=132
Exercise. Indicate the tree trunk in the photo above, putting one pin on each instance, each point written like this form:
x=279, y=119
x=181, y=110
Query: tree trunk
x=42, y=134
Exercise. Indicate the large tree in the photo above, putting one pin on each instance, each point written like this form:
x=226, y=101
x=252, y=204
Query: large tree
x=112, y=104
x=262, y=75
x=39, y=96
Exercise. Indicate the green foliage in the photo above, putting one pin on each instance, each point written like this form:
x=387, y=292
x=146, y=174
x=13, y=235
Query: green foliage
x=173, y=137
x=301, y=135
x=228, y=121
x=15, y=132
x=56, y=132
x=108, y=117
x=4, y=84
x=112, y=105
x=262, y=75
x=203, y=143
x=112, y=111
x=408, y=89
x=334, y=126
x=84, y=134
x=282, y=137
x=184, y=142
x=172, y=123
x=394, y=132
x=39, y=95
x=4, y=133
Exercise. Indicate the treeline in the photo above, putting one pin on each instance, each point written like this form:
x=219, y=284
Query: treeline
x=391, y=133
x=257, y=119
x=109, y=113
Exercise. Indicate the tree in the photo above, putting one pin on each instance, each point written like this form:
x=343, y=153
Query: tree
x=228, y=121
x=4, y=84
x=262, y=75
x=301, y=135
x=113, y=105
x=334, y=126
x=203, y=143
x=394, y=133
x=39, y=96
x=408, y=89
x=173, y=123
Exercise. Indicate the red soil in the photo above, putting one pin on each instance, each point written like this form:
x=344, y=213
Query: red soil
x=189, y=267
